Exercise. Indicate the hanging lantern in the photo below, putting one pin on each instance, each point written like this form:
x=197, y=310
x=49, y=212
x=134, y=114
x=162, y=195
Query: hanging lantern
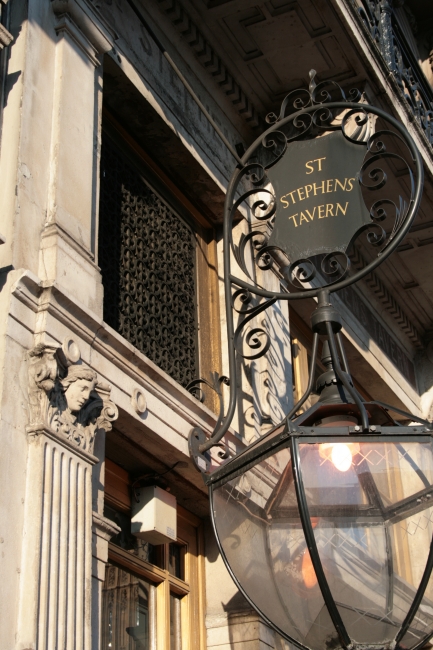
x=325, y=523
x=328, y=533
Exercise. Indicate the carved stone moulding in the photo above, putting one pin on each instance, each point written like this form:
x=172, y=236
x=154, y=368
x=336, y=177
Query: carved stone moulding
x=66, y=398
x=89, y=20
x=138, y=401
x=39, y=432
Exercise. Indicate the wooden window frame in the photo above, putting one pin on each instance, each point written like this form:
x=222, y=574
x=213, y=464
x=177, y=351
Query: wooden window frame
x=191, y=589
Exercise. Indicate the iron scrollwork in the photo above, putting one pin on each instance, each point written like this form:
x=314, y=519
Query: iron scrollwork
x=378, y=18
x=309, y=114
x=195, y=387
x=147, y=259
x=322, y=116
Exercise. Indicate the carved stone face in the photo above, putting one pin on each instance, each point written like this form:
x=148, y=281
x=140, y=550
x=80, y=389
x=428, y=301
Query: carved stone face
x=78, y=393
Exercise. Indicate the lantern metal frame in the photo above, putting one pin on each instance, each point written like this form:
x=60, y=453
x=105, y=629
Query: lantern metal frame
x=290, y=435
x=312, y=111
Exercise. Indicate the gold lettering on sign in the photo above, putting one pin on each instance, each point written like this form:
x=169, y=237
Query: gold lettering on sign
x=324, y=187
x=327, y=186
x=309, y=165
x=323, y=212
x=343, y=187
x=345, y=208
x=320, y=187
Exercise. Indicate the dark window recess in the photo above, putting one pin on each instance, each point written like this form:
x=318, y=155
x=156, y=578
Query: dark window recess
x=176, y=560
x=147, y=259
x=127, y=541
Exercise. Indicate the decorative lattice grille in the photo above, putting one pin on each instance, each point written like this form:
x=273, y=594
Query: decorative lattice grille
x=147, y=260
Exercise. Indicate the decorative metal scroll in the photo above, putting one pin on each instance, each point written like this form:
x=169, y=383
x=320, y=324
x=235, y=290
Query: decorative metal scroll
x=379, y=20
x=196, y=386
x=147, y=259
x=306, y=178
x=320, y=181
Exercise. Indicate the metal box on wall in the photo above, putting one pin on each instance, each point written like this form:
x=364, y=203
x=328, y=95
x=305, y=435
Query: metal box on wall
x=154, y=515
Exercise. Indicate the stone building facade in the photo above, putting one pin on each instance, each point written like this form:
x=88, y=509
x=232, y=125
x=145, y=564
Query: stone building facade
x=112, y=191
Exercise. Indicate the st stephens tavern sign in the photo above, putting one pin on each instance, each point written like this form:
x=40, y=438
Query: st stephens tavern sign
x=319, y=204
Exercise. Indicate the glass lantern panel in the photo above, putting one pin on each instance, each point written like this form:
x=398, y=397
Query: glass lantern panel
x=410, y=640
x=258, y=525
x=414, y=635
x=369, y=505
x=415, y=531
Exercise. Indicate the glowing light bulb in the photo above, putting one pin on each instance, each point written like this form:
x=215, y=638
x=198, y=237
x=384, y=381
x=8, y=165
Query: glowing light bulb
x=340, y=454
x=308, y=574
x=341, y=457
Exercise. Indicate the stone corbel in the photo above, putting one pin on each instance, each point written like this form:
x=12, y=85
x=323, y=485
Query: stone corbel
x=66, y=397
x=82, y=15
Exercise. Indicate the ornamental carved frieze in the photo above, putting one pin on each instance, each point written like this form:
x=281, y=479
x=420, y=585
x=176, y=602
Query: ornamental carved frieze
x=66, y=396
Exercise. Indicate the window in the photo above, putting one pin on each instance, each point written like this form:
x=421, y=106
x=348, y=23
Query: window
x=147, y=258
x=157, y=262
x=129, y=611
x=152, y=595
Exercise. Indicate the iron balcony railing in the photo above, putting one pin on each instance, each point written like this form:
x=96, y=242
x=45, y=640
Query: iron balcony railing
x=379, y=19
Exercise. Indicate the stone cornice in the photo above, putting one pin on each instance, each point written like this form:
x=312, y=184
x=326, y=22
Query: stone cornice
x=210, y=60
x=388, y=301
x=79, y=320
x=89, y=20
x=53, y=229
x=65, y=25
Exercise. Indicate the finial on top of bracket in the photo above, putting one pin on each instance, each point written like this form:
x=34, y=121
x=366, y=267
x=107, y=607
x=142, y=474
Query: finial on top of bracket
x=312, y=84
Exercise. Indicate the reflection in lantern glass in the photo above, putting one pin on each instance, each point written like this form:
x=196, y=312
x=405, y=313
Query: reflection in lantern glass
x=308, y=573
x=370, y=510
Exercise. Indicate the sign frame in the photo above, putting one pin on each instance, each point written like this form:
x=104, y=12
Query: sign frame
x=304, y=113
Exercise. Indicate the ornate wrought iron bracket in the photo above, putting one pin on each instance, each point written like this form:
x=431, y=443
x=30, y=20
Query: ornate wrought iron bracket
x=322, y=116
